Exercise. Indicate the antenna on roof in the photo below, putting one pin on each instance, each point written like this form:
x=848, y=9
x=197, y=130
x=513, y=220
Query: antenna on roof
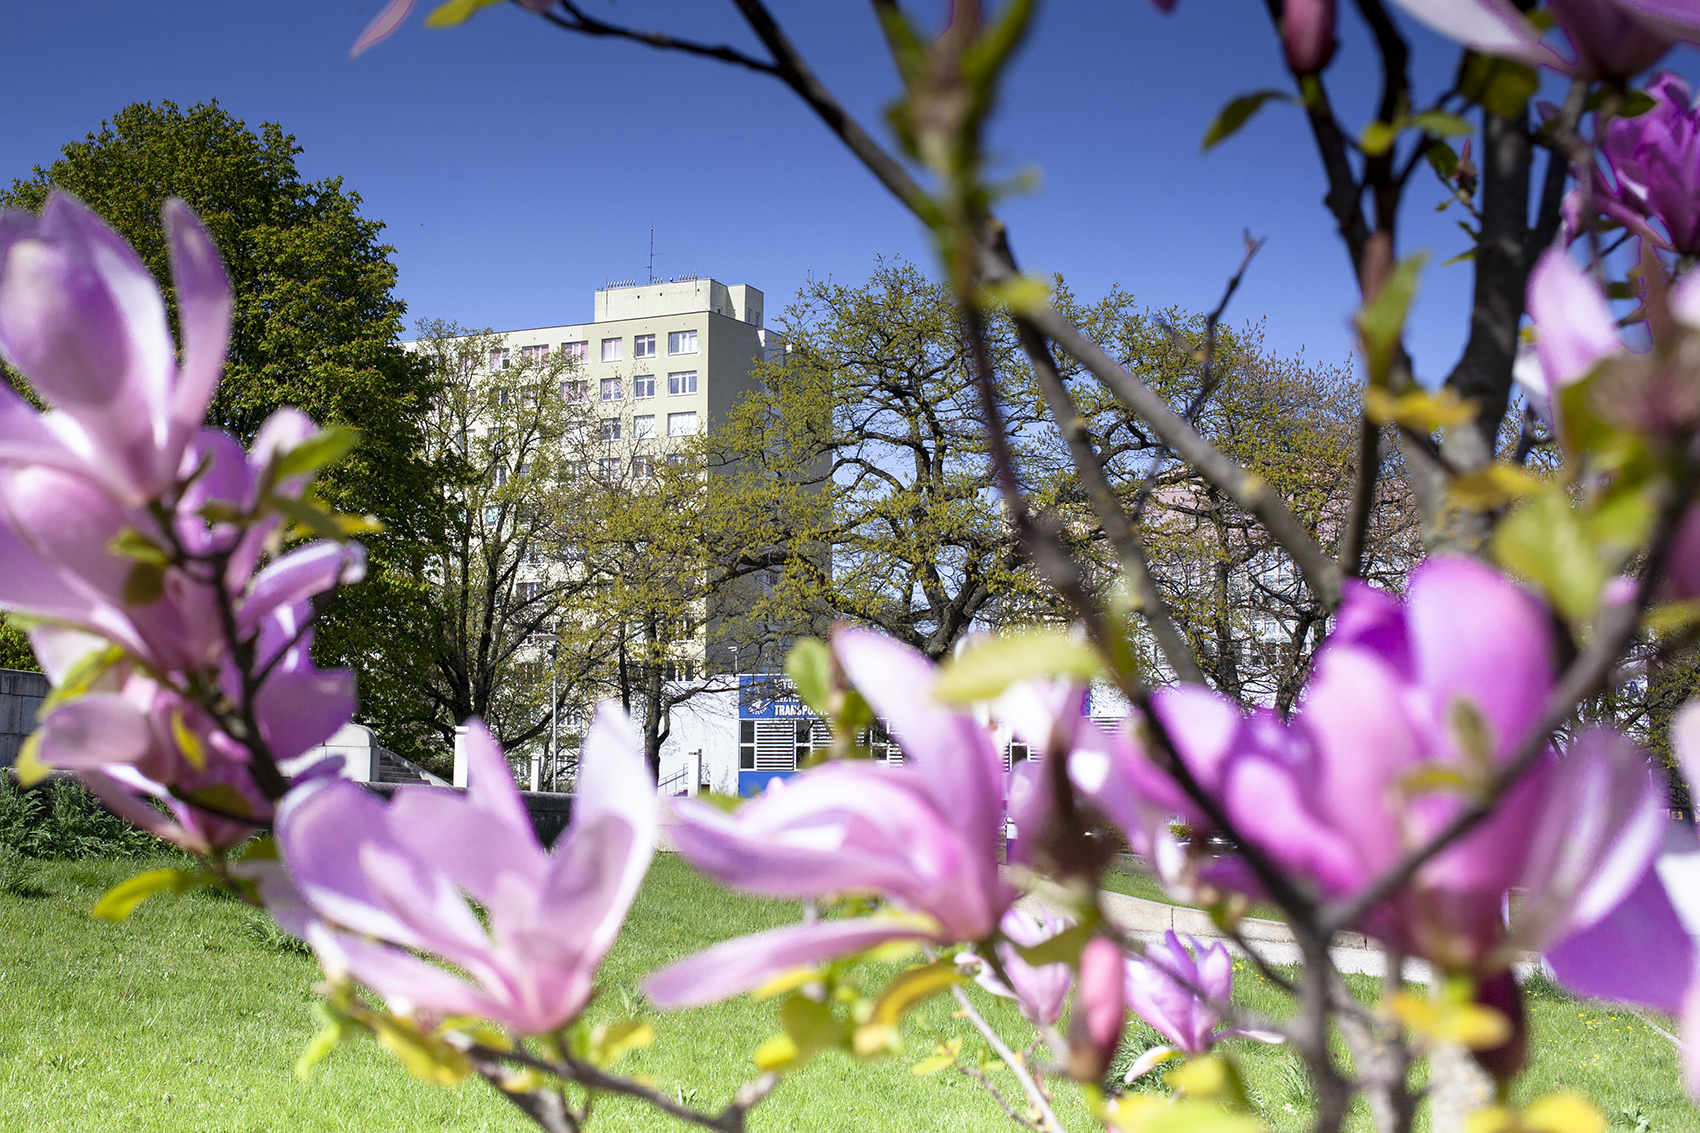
x=653, y=253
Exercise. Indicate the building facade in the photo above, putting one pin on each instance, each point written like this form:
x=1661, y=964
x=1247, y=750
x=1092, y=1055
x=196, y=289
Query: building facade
x=663, y=360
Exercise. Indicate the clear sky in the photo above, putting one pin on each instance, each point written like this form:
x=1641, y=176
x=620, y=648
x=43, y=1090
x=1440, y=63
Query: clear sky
x=519, y=167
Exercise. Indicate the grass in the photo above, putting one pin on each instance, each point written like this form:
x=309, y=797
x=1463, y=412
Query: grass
x=1139, y=883
x=190, y=1015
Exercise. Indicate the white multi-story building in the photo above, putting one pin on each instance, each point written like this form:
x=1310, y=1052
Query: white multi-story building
x=661, y=359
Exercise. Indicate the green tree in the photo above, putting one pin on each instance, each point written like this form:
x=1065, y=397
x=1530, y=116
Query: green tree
x=858, y=476
x=316, y=326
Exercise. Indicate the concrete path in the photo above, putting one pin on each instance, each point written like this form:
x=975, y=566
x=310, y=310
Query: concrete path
x=1149, y=920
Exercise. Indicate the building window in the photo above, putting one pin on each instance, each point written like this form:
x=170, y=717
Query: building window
x=499, y=359
x=611, y=349
x=533, y=353
x=611, y=389
x=684, y=381
x=575, y=391
x=755, y=318
x=681, y=424
x=610, y=428
x=682, y=342
x=643, y=468
x=643, y=426
x=576, y=351
x=499, y=395
x=527, y=591
x=610, y=467
x=1015, y=755
x=643, y=346
x=643, y=386
x=746, y=745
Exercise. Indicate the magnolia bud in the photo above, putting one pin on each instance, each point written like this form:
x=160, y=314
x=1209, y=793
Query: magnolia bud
x=1100, y=1006
x=1307, y=34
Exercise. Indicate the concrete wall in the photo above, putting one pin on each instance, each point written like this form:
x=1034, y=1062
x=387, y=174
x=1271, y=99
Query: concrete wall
x=21, y=694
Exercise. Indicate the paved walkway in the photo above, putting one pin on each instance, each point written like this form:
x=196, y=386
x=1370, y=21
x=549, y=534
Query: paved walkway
x=1149, y=920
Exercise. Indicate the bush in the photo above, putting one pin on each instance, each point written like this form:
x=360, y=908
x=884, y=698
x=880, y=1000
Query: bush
x=61, y=819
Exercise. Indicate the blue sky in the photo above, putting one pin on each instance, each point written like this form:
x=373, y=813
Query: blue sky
x=518, y=167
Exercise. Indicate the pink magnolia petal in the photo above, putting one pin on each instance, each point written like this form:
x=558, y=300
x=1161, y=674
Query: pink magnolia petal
x=1600, y=827
x=83, y=319
x=950, y=749
x=1477, y=635
x=1685, y=730
x=1351, y=707
x=744, y=964
x=837, y=827
x=320, y=830
x=1574, y=326
x=204, y=306
x=382, y=26
x=1638, y=953
x=405, y=981
x=300, y=707
x=1495, y=27
x=93, y=731
x=300, y=575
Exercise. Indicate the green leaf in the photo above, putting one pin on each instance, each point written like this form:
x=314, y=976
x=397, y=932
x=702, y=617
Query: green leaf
x=608, y=1041
x=1547, y=542
x=1152, y=1113
x=80, y=677
x=121, y=900
x=1444, y=159
x=1418, y=409
x=809, y=665
x=333, y=1030
x=327, y=446
x=1635, y=103
x=310, y=515
x=1500, y=85
x=456, y=12
x=1378, y=137
x=1238, y=112
x=28, y=767
x=948, y=1052
x=1492, y=487
x=132, y=544
x=428, y=1057
x=1063, y=948
x=1383, y=321
x=1443, y=125
x=985, y=669
x=811, y=1023
x=144, y=585
x=911, y=987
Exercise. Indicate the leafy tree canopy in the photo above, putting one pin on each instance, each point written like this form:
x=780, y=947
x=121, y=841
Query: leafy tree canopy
x=316, y=326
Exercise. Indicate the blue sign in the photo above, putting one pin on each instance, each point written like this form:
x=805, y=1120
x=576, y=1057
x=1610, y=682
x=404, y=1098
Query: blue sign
x=765, y=697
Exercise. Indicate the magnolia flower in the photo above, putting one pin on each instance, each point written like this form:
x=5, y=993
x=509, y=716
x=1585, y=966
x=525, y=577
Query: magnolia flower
x=1643, y=950
x=1039, y=990
x=1609, y=38
x=923, y=835
x=1178, y=989
x=1654, y=159
x=380, y=883
x=1411, y=707
x=121, y=455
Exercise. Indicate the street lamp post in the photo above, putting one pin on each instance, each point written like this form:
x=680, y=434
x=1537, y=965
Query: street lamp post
x=555, y=715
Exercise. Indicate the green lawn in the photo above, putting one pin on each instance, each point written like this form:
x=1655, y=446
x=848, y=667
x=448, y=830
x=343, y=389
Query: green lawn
x=189, y=1016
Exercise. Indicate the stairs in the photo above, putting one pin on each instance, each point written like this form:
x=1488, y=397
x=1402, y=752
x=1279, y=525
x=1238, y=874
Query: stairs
x=392, y=768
